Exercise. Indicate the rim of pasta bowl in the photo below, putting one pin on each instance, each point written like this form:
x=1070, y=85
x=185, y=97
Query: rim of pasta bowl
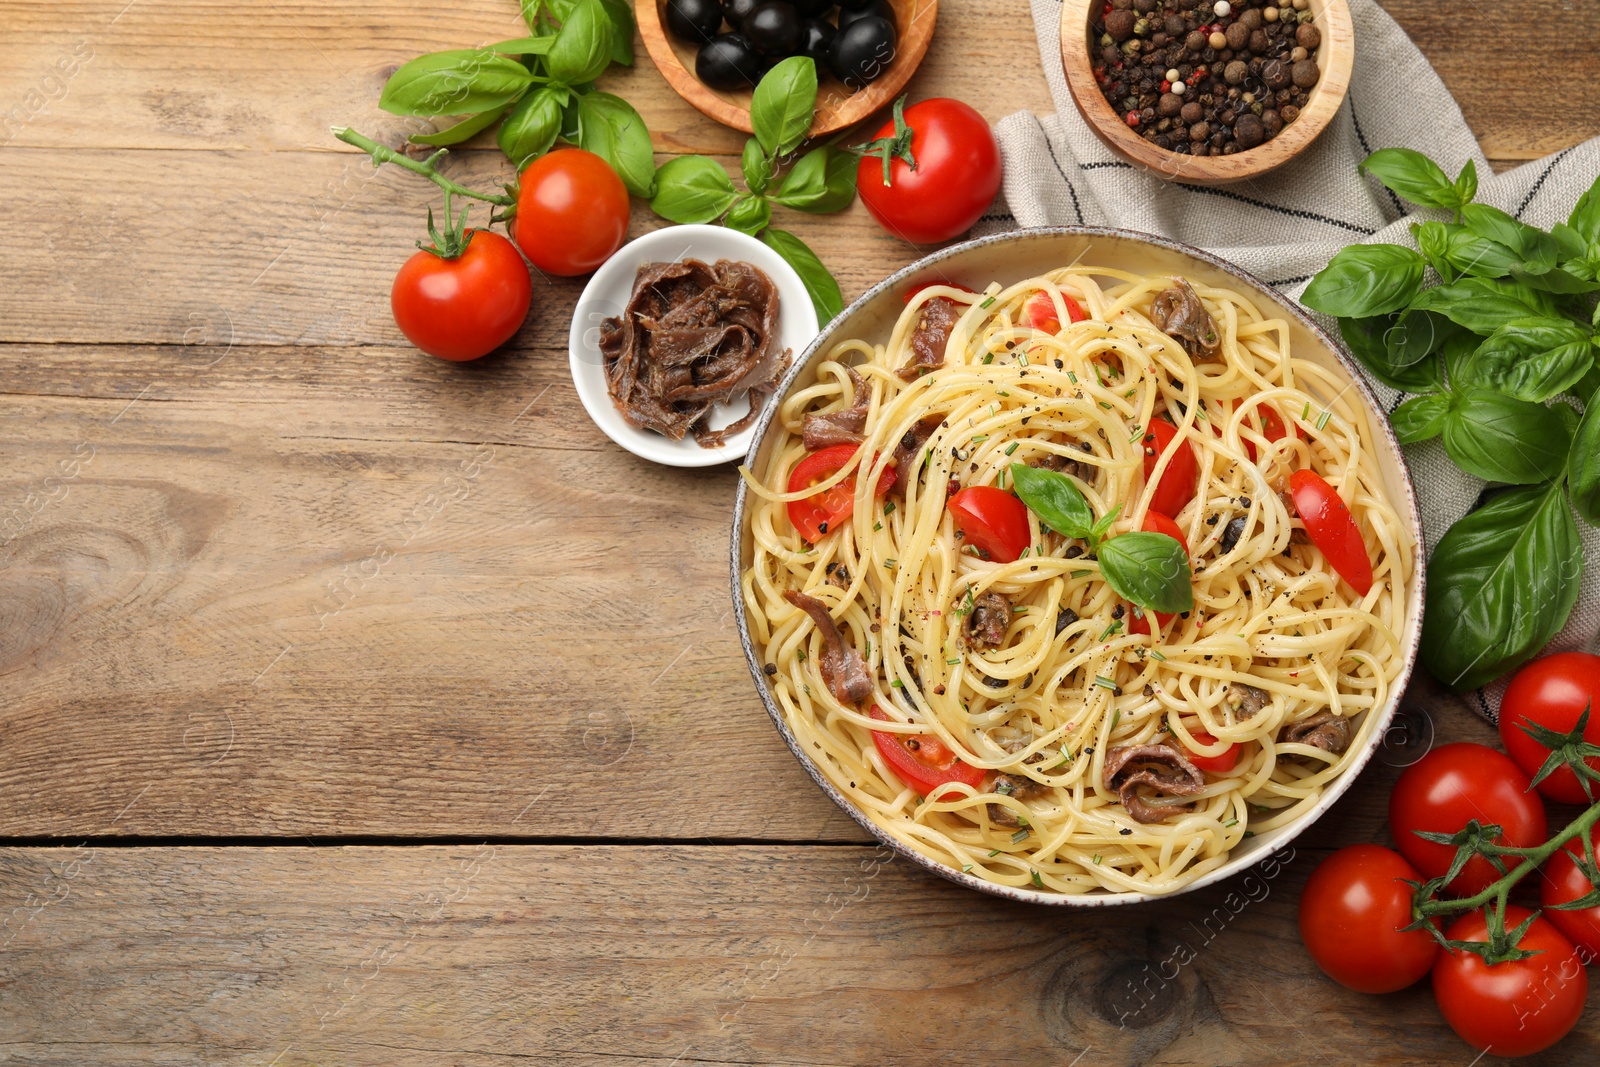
x=1242, y=857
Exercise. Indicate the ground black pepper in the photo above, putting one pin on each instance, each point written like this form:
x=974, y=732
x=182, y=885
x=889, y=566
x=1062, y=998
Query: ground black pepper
x=1202, y=78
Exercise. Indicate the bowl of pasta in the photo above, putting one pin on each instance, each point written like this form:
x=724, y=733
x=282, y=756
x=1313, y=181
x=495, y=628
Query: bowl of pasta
x=1078, y=566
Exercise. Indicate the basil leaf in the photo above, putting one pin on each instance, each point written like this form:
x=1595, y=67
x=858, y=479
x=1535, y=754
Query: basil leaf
x=692, y=189
x=1537, y=248
x=461, y=131
x=1585, y=218
x=1366, y=280
x=609, y=127
x=463, y=82
x=524, y=46
x=1530, y=359
x=784, y=104
x=749, y=214
x=822, y=286
x=1501, y=439
x=1483, y=305
x=621, y=16
x=1501, y=583
x=1420, y=418
x=530, y=14
x=1366, y=340
x=1055, y=498
x=1467, y=183
x=1569, y=241
x=1433, y=238
x=1591, y=381
x=1472, y=254
x=582, y=47
x=1415, y=336
x=824, y=181
x=757, y=166
x=1149, y=569
x=531, y=127
x=1555, y=280
x=1583, y=463
x=1415, y=177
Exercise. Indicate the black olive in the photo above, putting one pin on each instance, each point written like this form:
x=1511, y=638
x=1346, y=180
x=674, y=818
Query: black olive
x=816, y=37
x=862, y=51
x=773, y=29
x=853, y=5
x=810, y=9
x=736, y=11
x=728, y=62
x=696, y=21
x=1233, y=531
x=872, y=9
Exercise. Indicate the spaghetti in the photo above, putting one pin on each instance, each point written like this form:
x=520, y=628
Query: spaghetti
x=1022, y=721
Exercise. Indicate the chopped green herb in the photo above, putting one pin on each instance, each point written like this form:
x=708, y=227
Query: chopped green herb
x=986, y=304
x=1001, y=392
x=897, y=684
x=1306, y=414
x=888, y=508
x=800, y=655
x=1105, y=405
x=1156, y=654
x=1110, y=631
x=876, y=527
x=889, y=563
x=1001, y=481
x=1073, y=378
x=1079, y=574
x=1097, y=859
x=988, y=358
x=995, y=853
x=1013, y=446
x=1135, y=438
x=1017, y=837
x=952, y=662
x=1231, y=823
x=1036, y=880
x=1116, y=717
x=980, y=439
x=1021, y=609
x=1322, y=420
x=1022, y=358
x=1103, y=682
x=1249, y=833
x=966, y=868
x=1200, y=413
x=1025, y=552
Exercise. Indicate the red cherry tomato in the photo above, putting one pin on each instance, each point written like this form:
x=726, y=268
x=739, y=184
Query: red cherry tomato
x=993, y=520
x=912, y=293
x=1448, y=788
x=818, y=515
x=1220, y=764
x=463, y=308
x=1332, y=528
x=956, y=178
x=1562, y=882
x=1351, y=914
x=922, y=761
x=1553, y=692
x=1268, y=422
x=1155, y=522
x=1515, y=1008
x=1040, y=312
x=572, y=212
x=1177, y=486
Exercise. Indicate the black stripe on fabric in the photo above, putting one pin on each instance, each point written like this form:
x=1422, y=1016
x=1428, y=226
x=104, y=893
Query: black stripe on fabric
x=999, y=216
x=1246, y=200
x=1291, y=281
x=1361, y=138
x=1538, y=184
x=1401, y=399
x=1483, y=702
x=1077, y=209
x=1103, y=166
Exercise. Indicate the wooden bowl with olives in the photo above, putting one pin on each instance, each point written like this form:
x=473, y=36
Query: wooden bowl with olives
x=714, y=52
x=1207, y=92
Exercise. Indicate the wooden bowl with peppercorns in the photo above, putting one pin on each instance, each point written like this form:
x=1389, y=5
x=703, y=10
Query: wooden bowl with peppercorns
x=1207, y=92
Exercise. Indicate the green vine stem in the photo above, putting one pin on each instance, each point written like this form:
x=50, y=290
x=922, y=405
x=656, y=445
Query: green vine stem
x=382, y=154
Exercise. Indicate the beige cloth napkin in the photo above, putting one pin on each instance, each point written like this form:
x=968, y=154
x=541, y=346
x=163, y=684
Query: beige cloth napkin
x=1285, y=226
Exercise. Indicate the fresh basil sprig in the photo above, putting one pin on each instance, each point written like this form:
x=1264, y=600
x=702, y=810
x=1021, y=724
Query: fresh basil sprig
x=1150, y=570
x=822, y=181
x=1498, y=354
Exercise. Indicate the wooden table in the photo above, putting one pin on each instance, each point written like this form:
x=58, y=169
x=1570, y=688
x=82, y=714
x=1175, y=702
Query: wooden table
x=364, y=709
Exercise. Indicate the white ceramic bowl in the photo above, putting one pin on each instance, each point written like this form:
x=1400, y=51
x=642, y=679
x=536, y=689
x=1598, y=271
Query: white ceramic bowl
x=607, y=294
x=1013, y=257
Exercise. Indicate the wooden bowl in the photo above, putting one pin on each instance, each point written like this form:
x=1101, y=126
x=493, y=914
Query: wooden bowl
x=1335, y=56
x=837, y=107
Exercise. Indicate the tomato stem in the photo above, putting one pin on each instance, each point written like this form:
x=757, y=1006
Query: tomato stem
x=382, y=154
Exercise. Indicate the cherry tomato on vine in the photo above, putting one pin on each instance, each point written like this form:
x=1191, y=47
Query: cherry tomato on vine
x=463, y=306
x=1178, y=485
x=1351, y=917
x=922, y=761
x=1562, y=882
x=1553, y=692
x=572, y=212
x=993, y=520
x=943, y=171
x=1514, y=1008
x=817, y=515
x=1448, y=788
x=1332, y=528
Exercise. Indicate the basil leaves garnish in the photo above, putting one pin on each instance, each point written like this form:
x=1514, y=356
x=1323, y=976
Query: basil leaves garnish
x=1055, y=498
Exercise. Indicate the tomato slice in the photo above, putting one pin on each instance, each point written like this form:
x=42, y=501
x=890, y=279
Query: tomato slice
x=922, y=761
x=1332, y=528
x=816, y=515
x=1155, y=522
x=1177, y=486
x=911, y=294
x=1271, y=427
x=1220, y=764
x=993, y=520
x=1040, y=312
